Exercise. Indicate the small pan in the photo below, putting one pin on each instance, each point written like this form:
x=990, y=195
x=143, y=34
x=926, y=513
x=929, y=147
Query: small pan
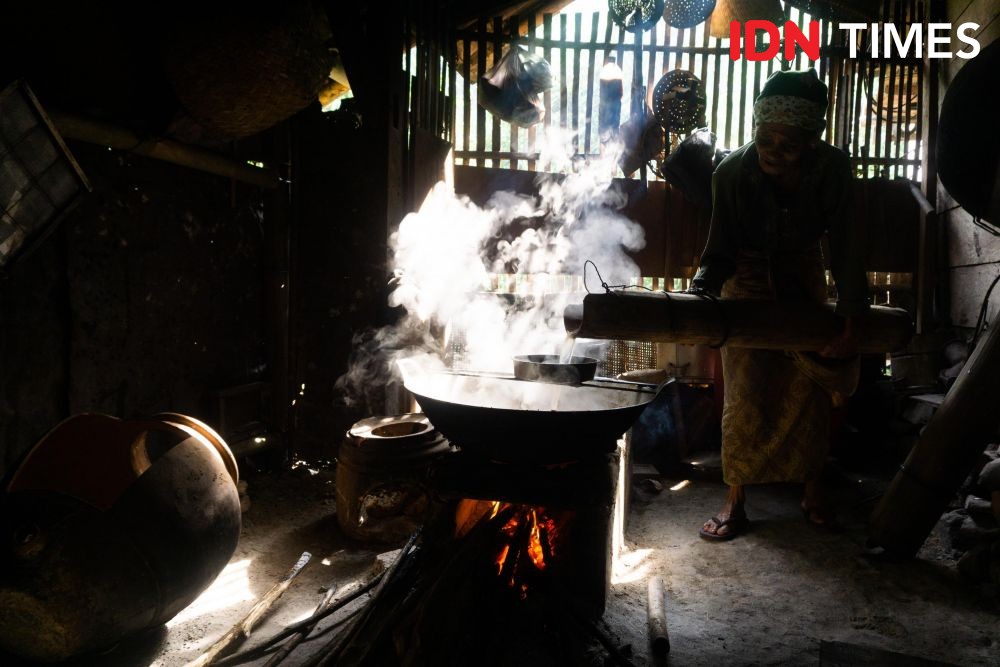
x=553, y=369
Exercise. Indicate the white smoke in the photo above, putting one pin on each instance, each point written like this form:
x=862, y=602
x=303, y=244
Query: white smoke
x=444, y=255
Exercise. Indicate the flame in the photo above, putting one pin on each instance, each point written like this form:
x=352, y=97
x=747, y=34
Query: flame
x=502, y=558
x=528, y=538
x=535, y=543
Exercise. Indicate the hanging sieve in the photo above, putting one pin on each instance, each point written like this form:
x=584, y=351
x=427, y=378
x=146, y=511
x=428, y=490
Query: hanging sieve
x=679, y=101
x=635, y=15
x=683, y=14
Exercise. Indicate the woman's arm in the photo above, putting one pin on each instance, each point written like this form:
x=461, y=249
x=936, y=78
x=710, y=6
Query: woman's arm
x=718, y=261
x=848, y=253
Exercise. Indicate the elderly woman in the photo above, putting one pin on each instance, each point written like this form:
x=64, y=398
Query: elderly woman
x=773, y=201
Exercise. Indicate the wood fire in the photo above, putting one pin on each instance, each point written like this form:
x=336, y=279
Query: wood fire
x=528, y=537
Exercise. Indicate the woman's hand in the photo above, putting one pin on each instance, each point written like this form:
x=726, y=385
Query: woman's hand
x=844, y=345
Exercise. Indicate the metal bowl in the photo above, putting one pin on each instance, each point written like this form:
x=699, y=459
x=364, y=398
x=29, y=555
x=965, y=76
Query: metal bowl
x=553, y=369
x=512, y=420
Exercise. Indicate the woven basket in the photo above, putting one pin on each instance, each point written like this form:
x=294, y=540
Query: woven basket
x=243, y=73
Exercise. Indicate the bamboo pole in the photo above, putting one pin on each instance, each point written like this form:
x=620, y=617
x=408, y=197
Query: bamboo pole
x=696, y=320
x=656, y=617
x=944, y=455
x=92, y=131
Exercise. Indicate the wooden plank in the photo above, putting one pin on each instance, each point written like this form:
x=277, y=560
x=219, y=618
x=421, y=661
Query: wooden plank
x=575, y=105
x=729, y=139
x=715, y=87
x=480, y=110
x=547, y=32
x=452, y=89
x=515, y=131
x=466, y=95
x=591, y=76
x=743, y=103
x=497, y=55
x=563, y=91
x=608, y=24
x=532, y=27
x=967, y=244
x=702, y=59
x=966, y=302
x=611, y=44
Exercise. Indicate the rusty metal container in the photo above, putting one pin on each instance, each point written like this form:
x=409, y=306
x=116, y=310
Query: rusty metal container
x=111, y=527
x=380, y=476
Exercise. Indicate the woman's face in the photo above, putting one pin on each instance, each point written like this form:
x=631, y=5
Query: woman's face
x=780, y=148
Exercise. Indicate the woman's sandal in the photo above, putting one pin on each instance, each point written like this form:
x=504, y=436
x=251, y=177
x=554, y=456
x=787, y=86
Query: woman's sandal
x=737, y=526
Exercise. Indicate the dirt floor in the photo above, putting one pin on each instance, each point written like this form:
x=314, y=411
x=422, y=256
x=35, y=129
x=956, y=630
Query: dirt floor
x=781, y=594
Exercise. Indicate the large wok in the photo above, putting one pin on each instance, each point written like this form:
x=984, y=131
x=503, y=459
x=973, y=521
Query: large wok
x=517, y=421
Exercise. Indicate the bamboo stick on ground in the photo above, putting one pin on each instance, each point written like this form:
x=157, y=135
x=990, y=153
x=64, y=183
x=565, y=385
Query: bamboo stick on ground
x=242, y=630
x=656, y=616
x=332, y=598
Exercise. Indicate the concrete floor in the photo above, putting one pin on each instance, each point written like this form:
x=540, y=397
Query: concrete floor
x=770, y=597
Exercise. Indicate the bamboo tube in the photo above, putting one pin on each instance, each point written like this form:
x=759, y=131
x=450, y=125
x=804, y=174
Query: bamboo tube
x=695, y=320
x=656, y=617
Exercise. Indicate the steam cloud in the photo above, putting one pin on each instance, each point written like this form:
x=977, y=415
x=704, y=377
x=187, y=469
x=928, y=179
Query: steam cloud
x=444, y=256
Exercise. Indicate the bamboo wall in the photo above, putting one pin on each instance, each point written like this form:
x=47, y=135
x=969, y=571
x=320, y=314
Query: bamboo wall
x=875, y=114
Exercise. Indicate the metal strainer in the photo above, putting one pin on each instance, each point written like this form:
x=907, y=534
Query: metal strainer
x=679, y=101
x=635, y=15
x=687, y=13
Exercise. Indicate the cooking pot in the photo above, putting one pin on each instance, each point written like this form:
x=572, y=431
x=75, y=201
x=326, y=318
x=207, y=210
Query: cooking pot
x=517, y=421
x=552, y=368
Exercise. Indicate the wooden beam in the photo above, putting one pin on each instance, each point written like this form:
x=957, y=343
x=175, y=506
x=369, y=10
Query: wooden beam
x=98, y=132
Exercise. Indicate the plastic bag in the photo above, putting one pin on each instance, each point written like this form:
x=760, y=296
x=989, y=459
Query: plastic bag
x=511, y=88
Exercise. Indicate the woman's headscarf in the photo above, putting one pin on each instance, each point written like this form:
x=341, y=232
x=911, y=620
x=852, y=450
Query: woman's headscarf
x=796, y=98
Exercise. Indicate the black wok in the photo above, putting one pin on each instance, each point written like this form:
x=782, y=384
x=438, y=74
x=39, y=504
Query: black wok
x=518, y=421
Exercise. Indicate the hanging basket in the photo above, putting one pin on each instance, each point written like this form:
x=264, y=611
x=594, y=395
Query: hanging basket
x=250, y=71
x=727, y=11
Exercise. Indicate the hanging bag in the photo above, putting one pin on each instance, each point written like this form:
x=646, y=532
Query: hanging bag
x=510, y=89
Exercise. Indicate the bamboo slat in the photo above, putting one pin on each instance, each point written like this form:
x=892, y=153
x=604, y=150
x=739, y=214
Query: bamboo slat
x=563, y=92
x=497, y=54
x=480, y=111
x=576, y=46
x=591, y=77
x=531, y=130
x=515, y=131
x=466, y=95
x=575, y=103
